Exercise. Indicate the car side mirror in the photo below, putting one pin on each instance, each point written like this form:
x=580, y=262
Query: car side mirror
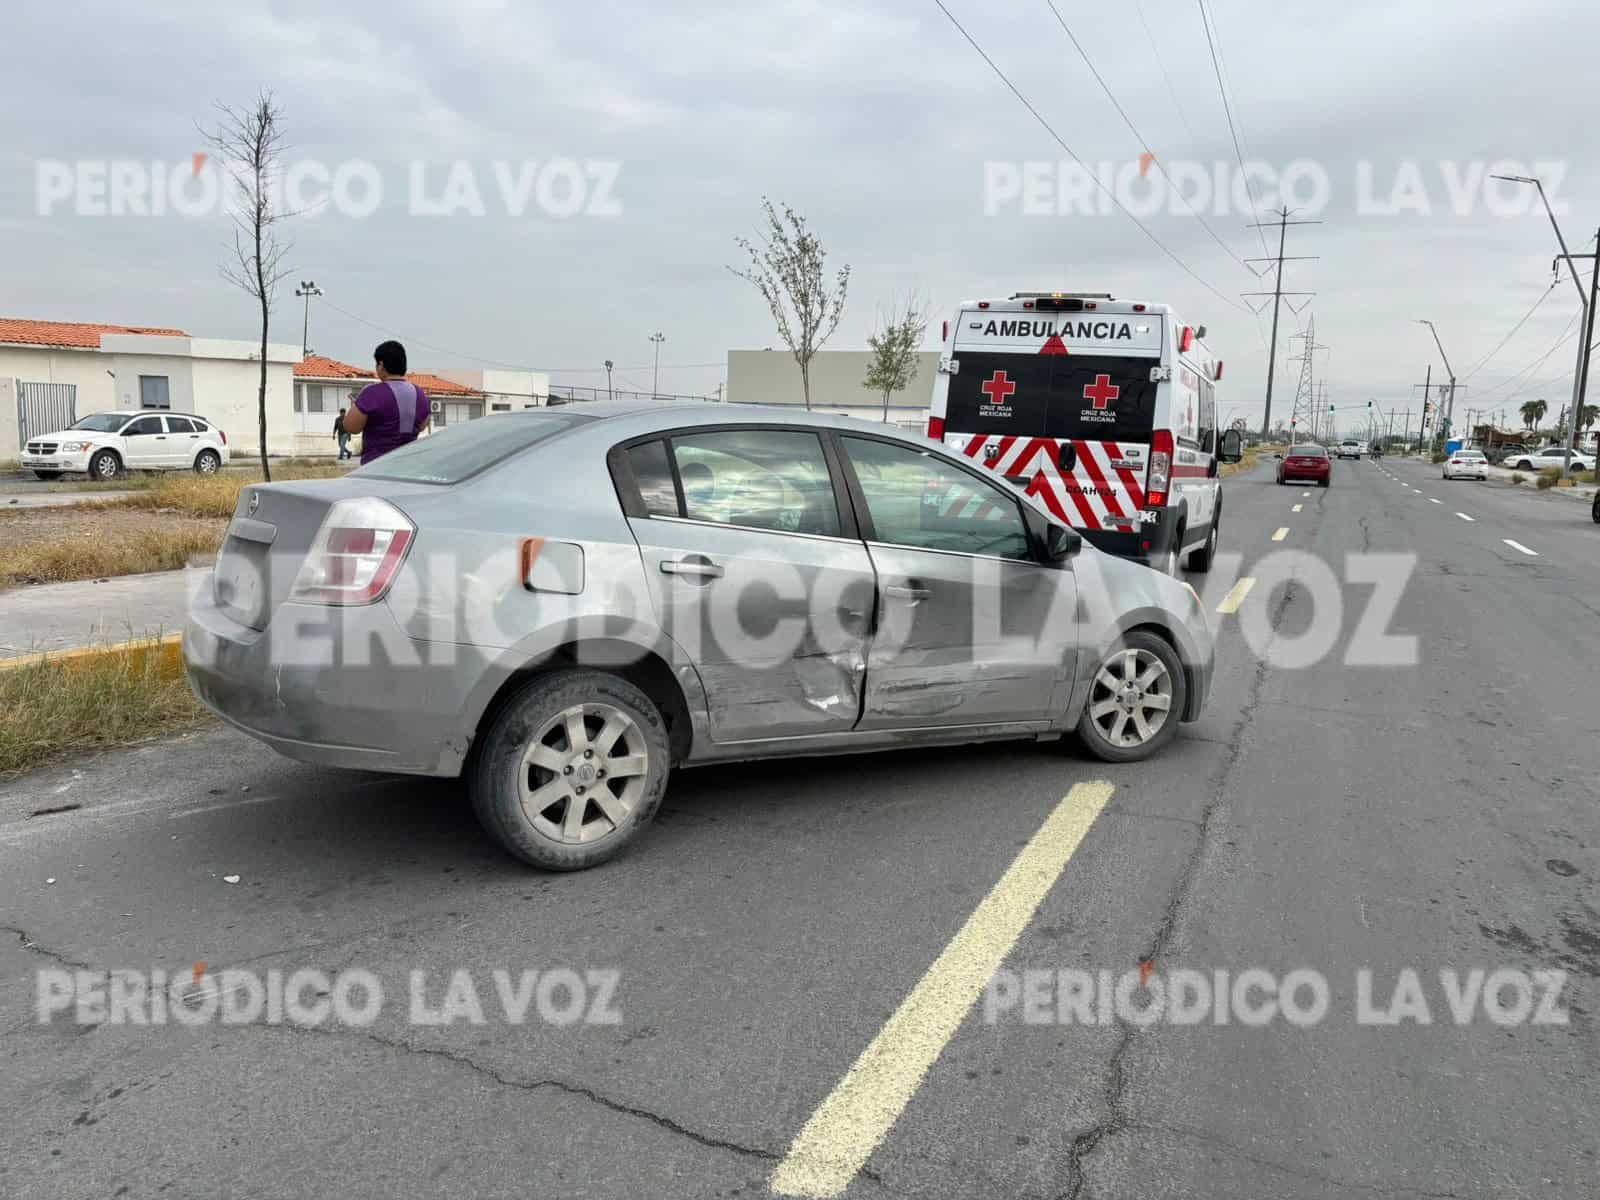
x=1232, y=449
x=1061, y=543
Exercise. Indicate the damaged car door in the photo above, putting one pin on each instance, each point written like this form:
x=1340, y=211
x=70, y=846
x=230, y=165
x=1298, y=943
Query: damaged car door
x=757, y=574
x=972, y=630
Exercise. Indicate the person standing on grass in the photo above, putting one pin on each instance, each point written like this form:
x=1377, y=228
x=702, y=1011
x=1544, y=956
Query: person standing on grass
x=342, y=435
x=390, y=413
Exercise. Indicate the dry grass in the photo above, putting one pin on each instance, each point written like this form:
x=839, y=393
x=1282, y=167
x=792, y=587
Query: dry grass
x=59, y=707
x=56, y=545
x=1548, y=478
x=1252, y=455
x=211, y=495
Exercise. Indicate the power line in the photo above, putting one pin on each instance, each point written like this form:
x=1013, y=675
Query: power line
x=1528, y=370
x=1134, y=129
x=1160, y=62
x=1227, y=109
x=1482, y=361
x=1048, y=128
x=492, y=362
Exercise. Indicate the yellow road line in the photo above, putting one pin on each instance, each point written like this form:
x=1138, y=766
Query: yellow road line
x=1281, y=534
x=1297, y=508
x=836, y=1142
x=1236, y=594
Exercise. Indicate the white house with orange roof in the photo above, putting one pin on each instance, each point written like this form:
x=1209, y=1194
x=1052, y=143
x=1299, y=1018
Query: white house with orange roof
x=54, y=372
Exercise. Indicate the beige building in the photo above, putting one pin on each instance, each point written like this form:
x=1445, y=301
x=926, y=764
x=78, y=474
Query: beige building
x=773, y=377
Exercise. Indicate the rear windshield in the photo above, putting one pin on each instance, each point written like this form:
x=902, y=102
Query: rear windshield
x=1083, y=396
x=460, y=451
x=1307, y=452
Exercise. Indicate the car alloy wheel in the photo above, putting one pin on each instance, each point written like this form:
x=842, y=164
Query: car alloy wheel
x=104, y=465
x=1130, y=699
x=207, y=463
x=584, y=773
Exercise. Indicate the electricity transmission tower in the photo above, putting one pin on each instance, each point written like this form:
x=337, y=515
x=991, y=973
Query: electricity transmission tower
x=1277, y=293
x=1304, y=418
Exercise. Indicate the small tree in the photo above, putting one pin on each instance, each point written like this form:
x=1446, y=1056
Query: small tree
x=787, y=266
x=1532, y=413
x=894, y=350
x=249, y=145
x=1587, y=416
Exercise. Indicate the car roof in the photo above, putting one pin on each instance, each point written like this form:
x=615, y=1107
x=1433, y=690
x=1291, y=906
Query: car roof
x=644, y=417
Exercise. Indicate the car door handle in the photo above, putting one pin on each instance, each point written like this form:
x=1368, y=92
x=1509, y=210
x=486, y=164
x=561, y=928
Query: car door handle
x=702, y=568
x=908, y=591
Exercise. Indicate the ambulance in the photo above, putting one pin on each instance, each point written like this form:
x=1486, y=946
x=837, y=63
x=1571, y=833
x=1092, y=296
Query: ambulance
x=1103, y=409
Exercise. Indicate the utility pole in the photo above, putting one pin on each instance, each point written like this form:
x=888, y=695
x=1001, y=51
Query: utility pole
x=308, y=288
x=655, y=380
x=610, y=394
x=1277, y=293
x=1588, y=342
x=1405, y=438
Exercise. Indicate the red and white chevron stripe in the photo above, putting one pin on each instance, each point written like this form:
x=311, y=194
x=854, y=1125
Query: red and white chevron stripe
x=1093, y=495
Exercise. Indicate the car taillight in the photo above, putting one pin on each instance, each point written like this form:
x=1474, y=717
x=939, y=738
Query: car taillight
x=356, y=554
x=223, y=434
x=1185, y=340
x=1155, y=491
x=936, y=428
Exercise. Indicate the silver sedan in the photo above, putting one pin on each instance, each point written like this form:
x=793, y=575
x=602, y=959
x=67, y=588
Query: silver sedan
x=565, y=604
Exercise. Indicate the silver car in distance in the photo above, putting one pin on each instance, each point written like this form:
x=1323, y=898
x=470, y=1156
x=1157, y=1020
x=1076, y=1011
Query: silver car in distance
x=566, y=603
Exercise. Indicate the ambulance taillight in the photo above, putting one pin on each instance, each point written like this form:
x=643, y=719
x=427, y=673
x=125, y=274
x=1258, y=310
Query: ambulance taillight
x=1157, y=486
x=936, y=429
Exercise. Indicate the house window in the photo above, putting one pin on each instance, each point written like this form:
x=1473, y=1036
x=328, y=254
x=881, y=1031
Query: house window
x=154, y=392
x=498, y=407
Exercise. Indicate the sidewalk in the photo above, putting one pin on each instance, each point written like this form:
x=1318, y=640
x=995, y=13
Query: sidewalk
x=62, y=616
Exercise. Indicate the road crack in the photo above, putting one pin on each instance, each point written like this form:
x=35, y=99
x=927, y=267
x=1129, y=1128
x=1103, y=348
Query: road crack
x=1116, y=1119
x=565, y=1087
x=44, y=951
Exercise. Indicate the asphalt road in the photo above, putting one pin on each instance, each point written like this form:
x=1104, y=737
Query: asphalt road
x=1340, y=817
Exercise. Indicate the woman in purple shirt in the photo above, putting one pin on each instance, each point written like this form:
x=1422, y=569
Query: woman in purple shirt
x=390, y=413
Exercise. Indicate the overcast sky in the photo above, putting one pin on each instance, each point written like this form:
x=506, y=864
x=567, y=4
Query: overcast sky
x=874, y=120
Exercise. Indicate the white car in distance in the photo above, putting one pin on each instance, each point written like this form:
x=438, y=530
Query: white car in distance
x=1548, y=456
x=104, y=445
x=1466, y=464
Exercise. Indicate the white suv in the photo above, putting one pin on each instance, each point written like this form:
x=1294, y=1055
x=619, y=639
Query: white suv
x=104, y=445
x=1349, y=448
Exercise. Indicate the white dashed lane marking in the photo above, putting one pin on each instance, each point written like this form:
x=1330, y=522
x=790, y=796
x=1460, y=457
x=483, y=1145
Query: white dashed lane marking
x=1521, y=547
x=1281, y=534
x=1464, y=517
x=1297, y=508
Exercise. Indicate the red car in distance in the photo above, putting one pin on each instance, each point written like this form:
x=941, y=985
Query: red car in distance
x=1306, y=463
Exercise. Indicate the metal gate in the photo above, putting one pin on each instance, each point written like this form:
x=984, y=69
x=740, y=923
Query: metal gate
x=45, y=408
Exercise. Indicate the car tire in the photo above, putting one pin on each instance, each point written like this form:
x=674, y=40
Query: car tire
x=207, y=462
x=48, y=474
x=1324, y=482
x=527, y=805
x=1200, y=560
x=105, y=465
x=1595, y=510
x=1524, y=465
x=1108, y=711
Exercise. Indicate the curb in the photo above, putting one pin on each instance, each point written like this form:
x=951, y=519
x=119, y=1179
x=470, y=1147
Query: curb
x=167, y=652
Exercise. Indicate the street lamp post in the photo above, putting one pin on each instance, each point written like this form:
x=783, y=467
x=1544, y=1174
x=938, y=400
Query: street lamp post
x=308, y=288
x=610, y=394
x=1447, y=424
x=655, y=380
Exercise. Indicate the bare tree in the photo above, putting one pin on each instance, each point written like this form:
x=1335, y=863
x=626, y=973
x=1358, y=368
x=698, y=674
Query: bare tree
x=787, y=266
x=249, y=144
x=894, y=349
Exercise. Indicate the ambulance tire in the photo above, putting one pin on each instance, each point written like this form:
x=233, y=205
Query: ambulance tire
x=1200, y=560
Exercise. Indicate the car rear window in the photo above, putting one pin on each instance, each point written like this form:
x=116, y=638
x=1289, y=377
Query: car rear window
x=1308, y=452
x=460, y=451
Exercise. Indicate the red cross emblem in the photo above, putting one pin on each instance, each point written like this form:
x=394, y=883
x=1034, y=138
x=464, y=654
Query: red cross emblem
x=1101, y=392
x=998, y=388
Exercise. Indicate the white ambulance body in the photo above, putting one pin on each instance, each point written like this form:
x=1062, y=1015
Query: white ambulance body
x=1103, y=409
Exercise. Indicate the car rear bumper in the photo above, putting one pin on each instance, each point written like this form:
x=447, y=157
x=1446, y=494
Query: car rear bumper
x=1149, y=543
x=337, y=687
